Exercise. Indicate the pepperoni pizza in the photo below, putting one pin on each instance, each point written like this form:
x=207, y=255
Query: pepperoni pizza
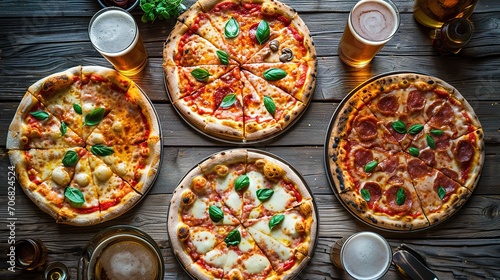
x=85, y=144
x=240, y=70
x=405, y=151
x=242, y=214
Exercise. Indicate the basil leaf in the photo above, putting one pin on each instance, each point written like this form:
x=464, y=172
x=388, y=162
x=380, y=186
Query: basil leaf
x=40, y=115
x=215, y=213
x=223, y=57
x=430, y=141
x=77, y=108
x=74, y=195
x=242, y=182
x=370, y=166
x=63, y=128
x=437, y=132
x=399, y=126
x=200, y=74
x=400, y=196
x=441, y=192
x=228, y=100
x=263, y=194
x=275, y=220
x=274, y=74
x=101, y=150
x=365, y=194
x=233, y=238
x=231, y=29
x=263, y=32
x=94, y=117
x=415, y=129
x=70, y=158
x=270, y=105
x=414, y=151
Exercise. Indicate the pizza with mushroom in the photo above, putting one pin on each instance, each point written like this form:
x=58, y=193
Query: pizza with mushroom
x=405, y=151
x=242, y=214
x=240, y=70
x=85, y=144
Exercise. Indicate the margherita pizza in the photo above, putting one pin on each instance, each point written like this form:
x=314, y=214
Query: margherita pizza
x=240, y=70
x=242, y=214
x=85, y=144
x=405, y=151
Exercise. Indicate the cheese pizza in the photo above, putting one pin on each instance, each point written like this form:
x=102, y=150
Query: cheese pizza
x=404, y=151
x=240, y=70
x=85, y=144
x=242, y=214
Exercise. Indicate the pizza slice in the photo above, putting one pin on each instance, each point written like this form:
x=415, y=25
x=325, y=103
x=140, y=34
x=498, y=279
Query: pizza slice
x=440, y=196
x=81, y=204
x=184, y=81
x=388, y=198
x=460, y=158
x=209, y=265
x=267, y=109
x=295, y=78
x=226, y=170
x=132, y=121
x=186, y=48
x=293, y=44
x=34, y=126
x=60, y=93
x=295, y=227
x=284, y=260
x=136, y=164
x=115, y=194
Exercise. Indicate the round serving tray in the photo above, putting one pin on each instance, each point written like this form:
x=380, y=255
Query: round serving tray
x=316, y=217
x=329, y=143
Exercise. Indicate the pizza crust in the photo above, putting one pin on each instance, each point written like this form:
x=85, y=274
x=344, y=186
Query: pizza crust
x=14, y=136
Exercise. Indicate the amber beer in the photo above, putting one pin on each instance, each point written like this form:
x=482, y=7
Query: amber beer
x=364, y=255
x=114, y=33
x=370, y=25
x=434, y=13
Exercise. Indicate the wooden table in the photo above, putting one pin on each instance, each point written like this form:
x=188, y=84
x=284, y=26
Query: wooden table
x=42, y=37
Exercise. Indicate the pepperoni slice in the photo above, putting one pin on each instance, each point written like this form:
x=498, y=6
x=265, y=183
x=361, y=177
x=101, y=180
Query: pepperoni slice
x=375, y=192
x=450, y=173
x=389, y=165
x=398, y=136
x=391, y=195
x=448, y=184
x=415, y=101
x=444, y=115
x=362, y=157
x=464, y=151
x=366, y=128
x=442, y=141
x=432, y=108
x=428, y=157
x=417, y=168
x=395, y=180
x=388, y=104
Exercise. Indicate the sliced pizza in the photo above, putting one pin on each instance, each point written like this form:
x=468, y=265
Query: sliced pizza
x=34, y=126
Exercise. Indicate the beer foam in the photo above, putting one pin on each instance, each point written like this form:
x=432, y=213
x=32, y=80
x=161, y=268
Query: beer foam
x=373, y=20
x=113, y=32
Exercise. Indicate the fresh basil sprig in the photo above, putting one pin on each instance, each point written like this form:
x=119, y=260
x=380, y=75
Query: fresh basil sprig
x=63, y=128
x=441, y=192
x=200, y=74
x=161, y=9
x=263, y=32
x=215, y=213
x=74, y=195
x=275, y=220
x=399, y=126
x=70, y=158
x=269, y=104
x=415, y=129
x=233, y=238
x=40, y=115
x=274, y=74
x=94, y=117
x=101, y=150
x=369, y=167
x=365, y=194
x=264, y=194
x=231, y=29
x=228, y=100
x=223, y=57
x=242, y=182
x=400, y=196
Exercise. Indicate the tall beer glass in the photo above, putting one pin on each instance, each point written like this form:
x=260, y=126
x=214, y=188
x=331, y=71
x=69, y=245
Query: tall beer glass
x=370, y=25
x=433, y=13
x=114, y=33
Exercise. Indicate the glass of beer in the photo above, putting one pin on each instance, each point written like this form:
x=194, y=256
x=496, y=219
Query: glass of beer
x=433, y=13
x=364, y=255
x=370, y=25
x=115, y=35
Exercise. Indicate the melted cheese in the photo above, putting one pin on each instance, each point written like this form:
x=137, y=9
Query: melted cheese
x=82, y=179
x=117, y=126
x=285, y=232
x=245, y=245
x=103, y=172
x=256, y=183
x=203, y=241
x=198, y=209
x=96, y=138
x=60, y=176
x=256, y=264
x=232, y=258
x=268, y=244
x=278, y=201
x=216, y=258
x=233, y=201
x=224, y=183
x=121, y=169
